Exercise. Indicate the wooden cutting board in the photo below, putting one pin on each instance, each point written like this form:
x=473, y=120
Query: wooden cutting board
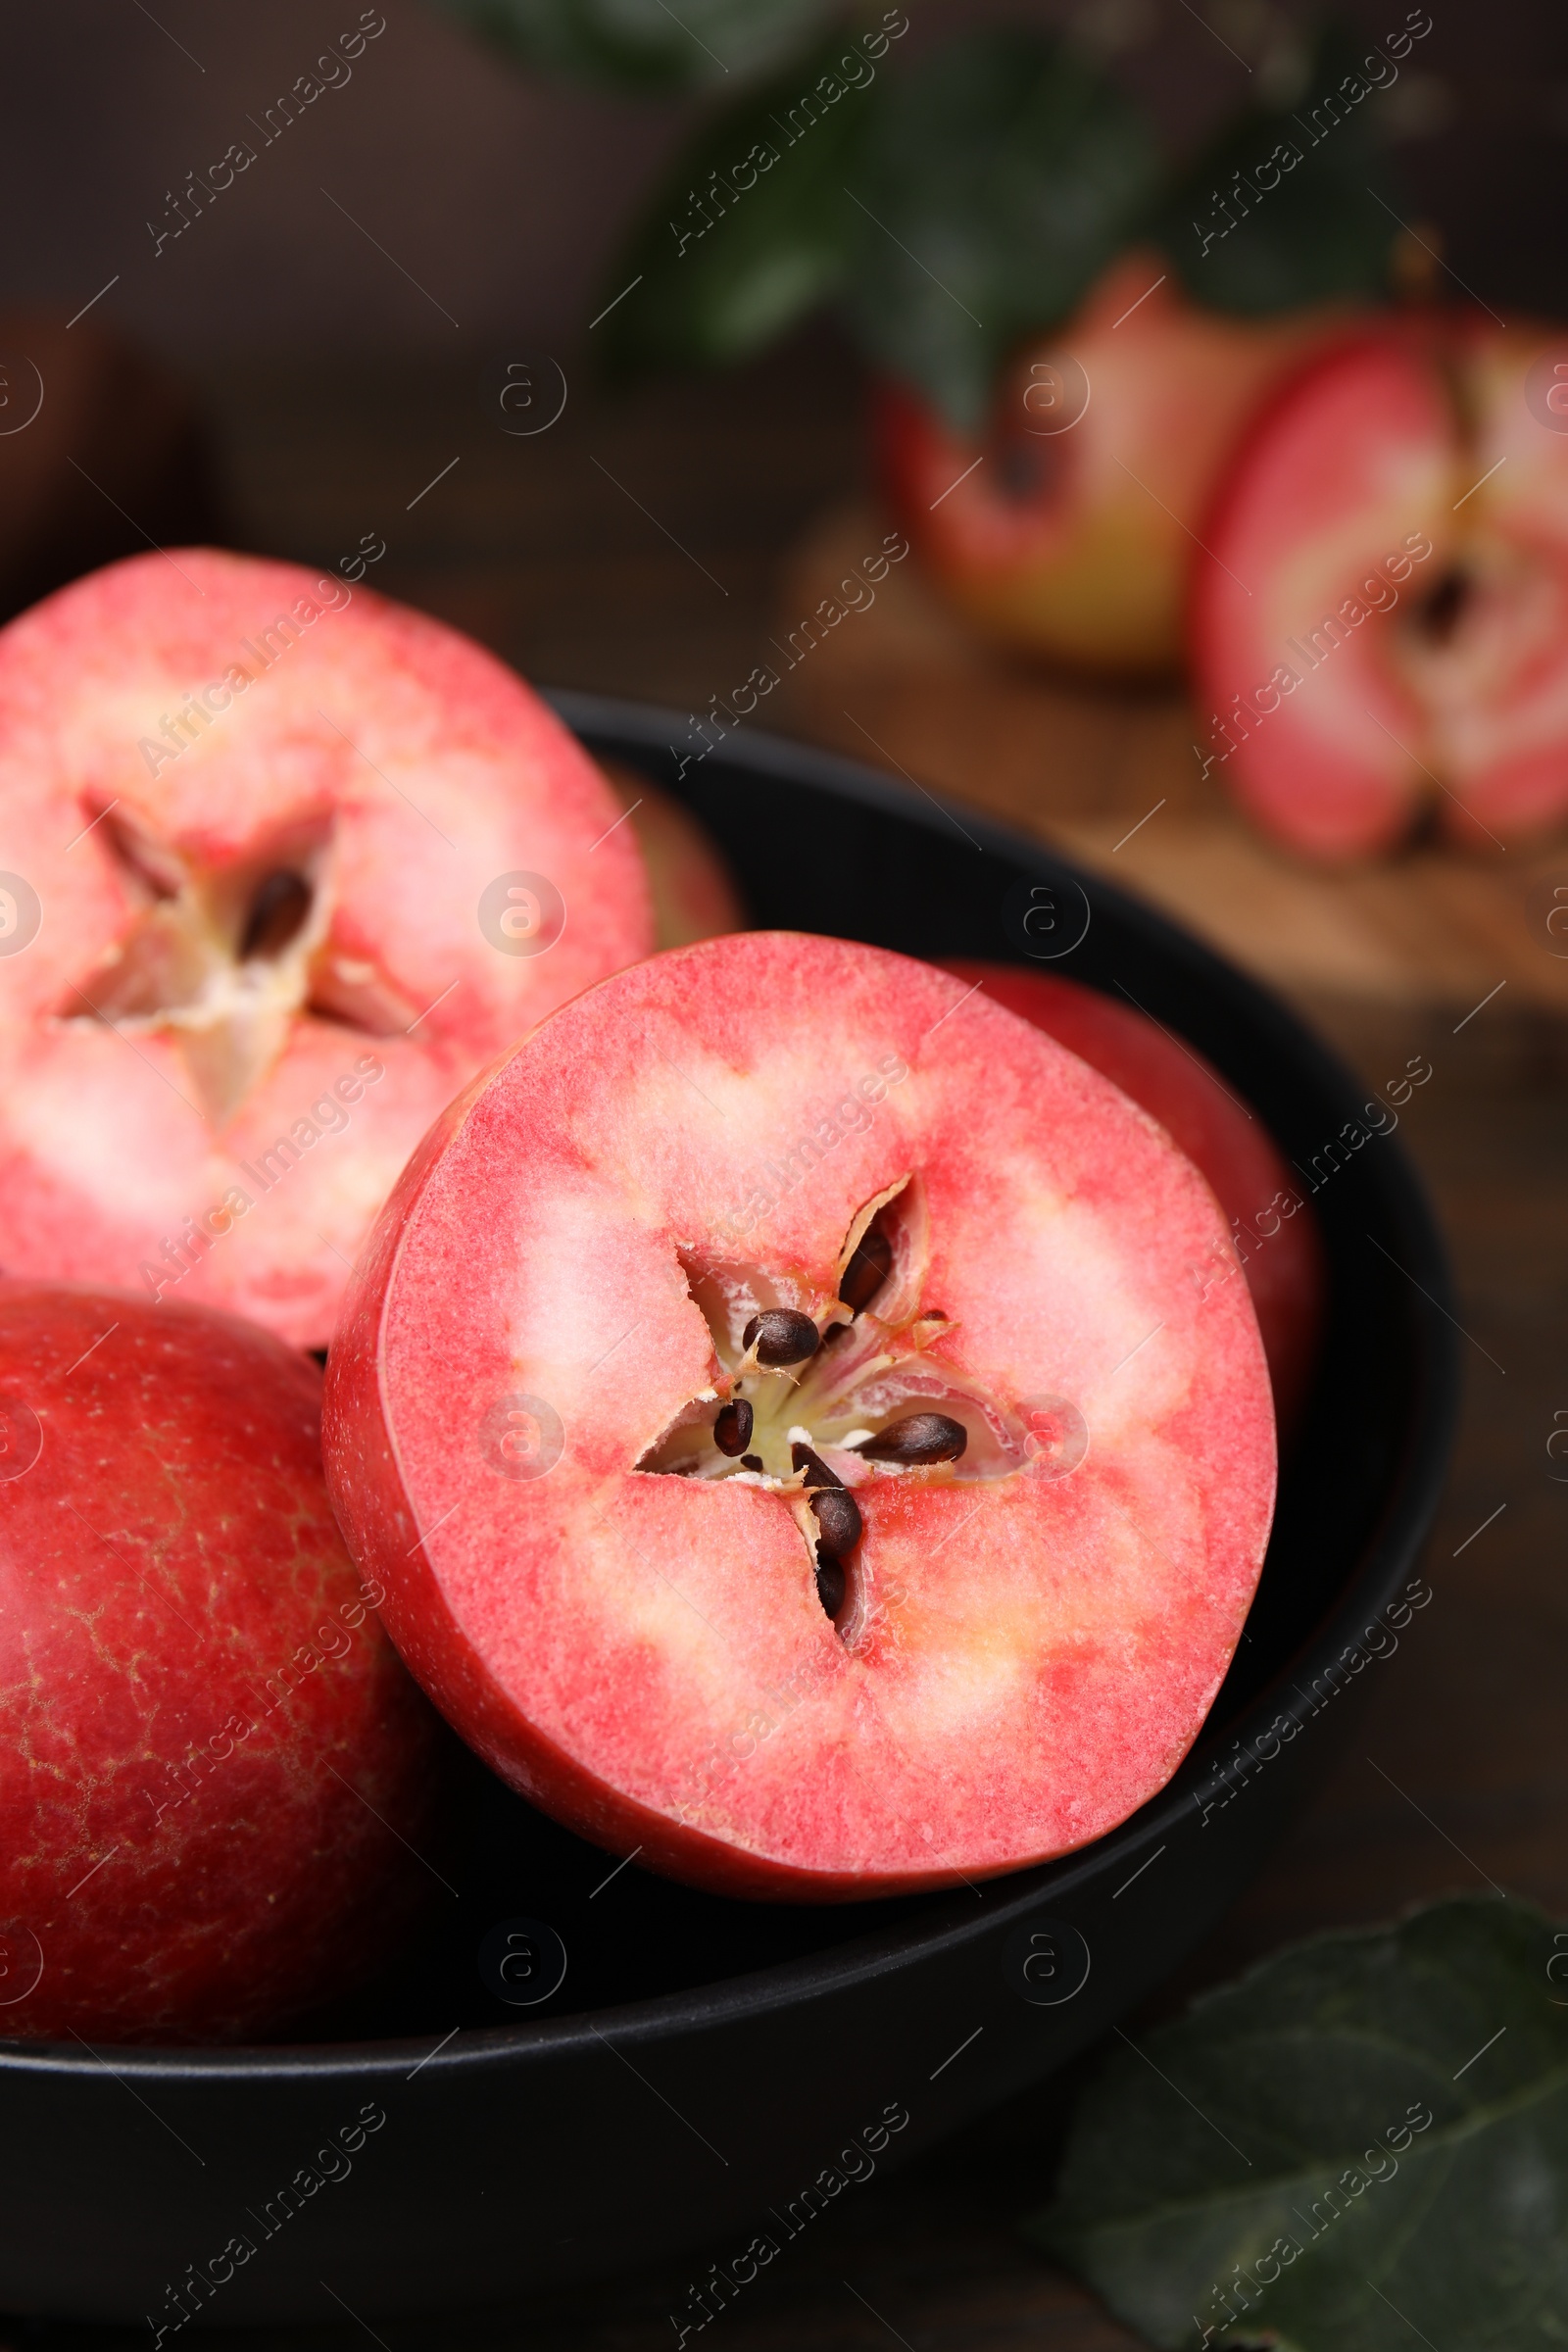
x=1111, y=777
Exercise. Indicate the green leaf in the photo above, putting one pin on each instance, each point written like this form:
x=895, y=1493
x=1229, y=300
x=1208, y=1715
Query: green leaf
x=1249, y=229
x=1278, y=2124
x=640, y=46
x=1003, y=173
x=753, y=227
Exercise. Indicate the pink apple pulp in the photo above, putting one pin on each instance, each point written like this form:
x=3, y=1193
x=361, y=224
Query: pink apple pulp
x=1274, y=1233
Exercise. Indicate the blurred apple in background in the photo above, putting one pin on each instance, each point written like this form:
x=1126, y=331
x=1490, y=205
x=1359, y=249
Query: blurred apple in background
x=1067, y=530
x=1383, y=631
x=1066, y=330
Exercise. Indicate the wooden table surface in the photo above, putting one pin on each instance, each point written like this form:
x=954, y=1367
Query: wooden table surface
x=644, y=548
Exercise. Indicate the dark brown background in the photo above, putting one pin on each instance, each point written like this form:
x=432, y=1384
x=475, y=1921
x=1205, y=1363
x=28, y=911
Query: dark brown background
x=505, y=197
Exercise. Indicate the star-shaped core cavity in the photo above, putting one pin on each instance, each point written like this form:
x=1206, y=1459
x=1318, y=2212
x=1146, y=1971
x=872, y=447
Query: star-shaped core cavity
x=817, y=1407
x=223, y=959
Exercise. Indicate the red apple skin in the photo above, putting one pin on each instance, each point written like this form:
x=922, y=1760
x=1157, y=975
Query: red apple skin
x=1076, y=545
x=1227, y=1143
x=399, y=766
x=1401, y=460
x=1025, y=1658
x=209, y=1754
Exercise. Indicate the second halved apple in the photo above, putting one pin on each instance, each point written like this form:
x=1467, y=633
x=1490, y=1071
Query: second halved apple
x=284, y=865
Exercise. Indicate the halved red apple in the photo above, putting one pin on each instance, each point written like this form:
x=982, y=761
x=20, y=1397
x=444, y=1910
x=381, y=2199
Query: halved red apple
x=1384, y=631
x=285, y=865
x=1067, y=528
x=1274, y=1232
x=789, y=1406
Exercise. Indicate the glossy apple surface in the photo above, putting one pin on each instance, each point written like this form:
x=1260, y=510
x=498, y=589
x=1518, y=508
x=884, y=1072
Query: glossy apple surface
x=1066, y=529
x=1386, y=632
x=825, y=1673
x=284, y=865
x=1275, y=1234
x=210, y=1755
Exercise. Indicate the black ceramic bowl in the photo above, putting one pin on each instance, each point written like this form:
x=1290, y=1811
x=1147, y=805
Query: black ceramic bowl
x=703, y=2061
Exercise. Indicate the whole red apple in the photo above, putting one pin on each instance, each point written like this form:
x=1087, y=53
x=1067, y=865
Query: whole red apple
x=789, y=1406
x=1067, y=530
x=1385, y=631
x=285, y=865
x=1277, y=1245
x=212, y=1767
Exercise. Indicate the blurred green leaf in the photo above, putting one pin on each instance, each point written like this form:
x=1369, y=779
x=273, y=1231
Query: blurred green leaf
x=1002, y=173
x=1260, y=2167
x=642, y=46
x=1283, y=207
x=754, y=228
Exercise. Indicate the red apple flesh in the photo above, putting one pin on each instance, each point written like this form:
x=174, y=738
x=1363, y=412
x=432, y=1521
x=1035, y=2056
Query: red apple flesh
x=244, y=961
x=1066, y=530
x=1385, y=631
x=212, y=1766
x=744, y=1640
x=1274, y=1233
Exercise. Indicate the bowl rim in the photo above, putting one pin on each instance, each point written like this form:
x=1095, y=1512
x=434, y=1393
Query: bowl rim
x=640, y=731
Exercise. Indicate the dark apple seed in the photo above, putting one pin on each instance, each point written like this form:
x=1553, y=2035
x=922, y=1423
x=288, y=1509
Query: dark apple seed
x=838, y=1515
x=733, y=1426
x=818, y=1473
x=782, y=1335
x=277, y=911
x=830, y=1581
x=869, y=1266
x=1441, y=609
x=918, y=1438
x=751, y=1461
